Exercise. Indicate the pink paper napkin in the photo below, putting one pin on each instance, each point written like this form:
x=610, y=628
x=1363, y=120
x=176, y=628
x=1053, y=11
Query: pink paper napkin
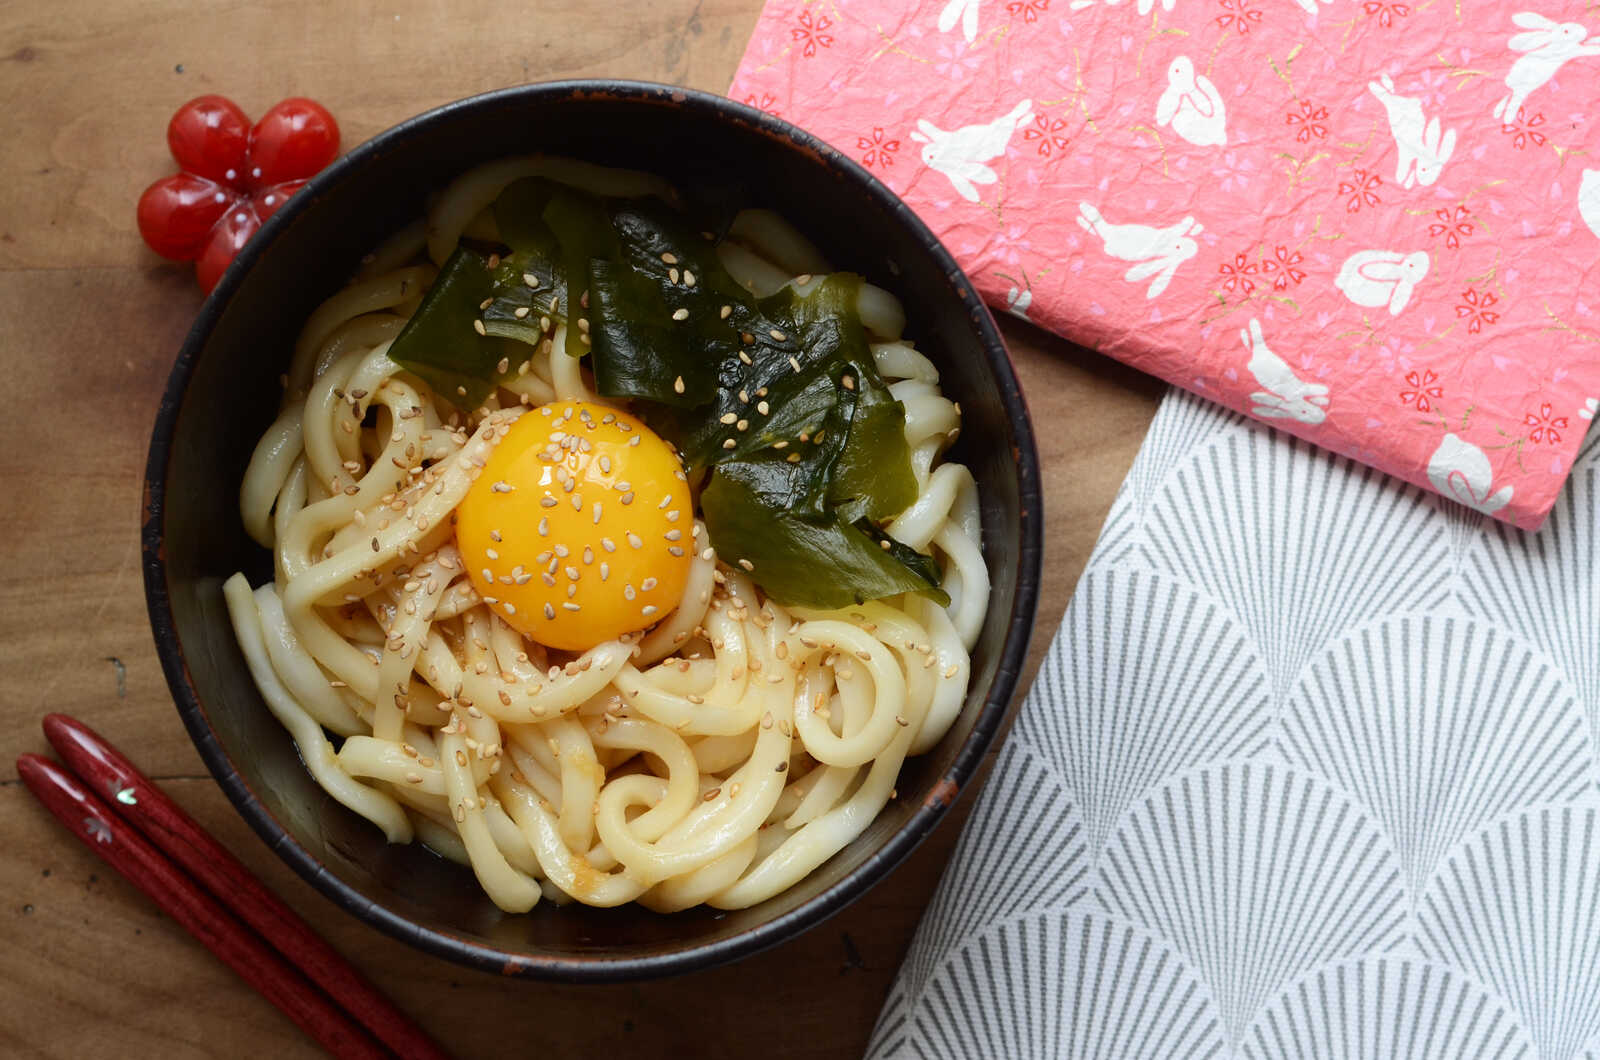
x=1375, y=225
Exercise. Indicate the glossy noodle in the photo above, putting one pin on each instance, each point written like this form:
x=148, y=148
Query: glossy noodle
x=716, y=754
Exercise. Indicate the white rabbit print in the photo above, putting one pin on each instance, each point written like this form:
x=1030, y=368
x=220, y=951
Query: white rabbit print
x=1460, y=470
x=960, y=154
x=1155, y=252
x=1382, y=278
x=1192, y=106
x=963, y=11
x=1282, y=395
x=1589, y=200
x=1548, y=45
x=1422, y=147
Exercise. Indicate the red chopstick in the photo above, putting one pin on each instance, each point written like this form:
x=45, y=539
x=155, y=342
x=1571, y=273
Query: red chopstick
x=199, y=857
x=92, y=821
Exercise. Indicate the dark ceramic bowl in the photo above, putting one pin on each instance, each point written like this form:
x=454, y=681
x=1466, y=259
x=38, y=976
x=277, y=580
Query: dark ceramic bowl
x=224, y=391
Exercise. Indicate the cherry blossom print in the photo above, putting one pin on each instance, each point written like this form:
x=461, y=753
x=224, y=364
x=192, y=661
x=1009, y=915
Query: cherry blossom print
x=1027, y=10
x=1525, y=130
x=1010, y=243
x=764, y=101
x=1451, y=225
x=1546, y=427
x=1477, y=309
x=1234, y=171
x=1283, y=267
x=812, y=31
x=1421, y=392
x=956, y=61
x=1360, y=190
x=1049, y=134
x=1236, y=274
x=1385, y=14
x=1238, y=16
x=1310, y=122
x=877, y=150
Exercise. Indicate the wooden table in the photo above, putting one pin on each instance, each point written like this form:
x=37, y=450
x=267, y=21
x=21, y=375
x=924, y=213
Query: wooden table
x=89, y=324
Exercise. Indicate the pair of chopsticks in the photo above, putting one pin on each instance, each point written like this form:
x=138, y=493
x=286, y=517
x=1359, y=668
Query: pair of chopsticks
x=121, y=815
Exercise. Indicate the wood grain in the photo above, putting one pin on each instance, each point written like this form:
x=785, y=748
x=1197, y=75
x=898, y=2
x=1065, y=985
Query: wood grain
x=89, y=323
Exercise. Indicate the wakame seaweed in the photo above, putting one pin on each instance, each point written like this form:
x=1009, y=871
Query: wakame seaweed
x=779, y=396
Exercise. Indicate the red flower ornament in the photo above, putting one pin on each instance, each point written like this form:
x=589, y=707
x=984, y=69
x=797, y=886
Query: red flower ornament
x=231, y=177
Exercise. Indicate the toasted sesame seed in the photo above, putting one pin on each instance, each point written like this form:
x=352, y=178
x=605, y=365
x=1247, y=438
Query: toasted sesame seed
x=674, y=535
x=502, y=487
x=677, y=384
x=608, y=544
x=634, y=540
x=491, y=553
x=745, y=357
x=588, y=554
x=743, y=425
x=548, y=501
x=521, y=312
x=763, y=408
x=669, y=258
x=727, y=417
x=680, y=314
x=672, y=274
x=628, y=592
x=563, y=551
x=675, y=551
x=605, y=571
x=511, y=608
x=530, y=279
x=549, y=612
x=648, y=609
x=597, y=511
x=778, y=335
x=544, y=527
x=570, y=606
x=648, y=584
x=747, y=565
x=849, y=382
x=672, y=516
x=725, y=312
x=477, y=325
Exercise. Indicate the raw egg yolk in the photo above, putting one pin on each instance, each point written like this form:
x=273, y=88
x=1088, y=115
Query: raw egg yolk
x=580, y=528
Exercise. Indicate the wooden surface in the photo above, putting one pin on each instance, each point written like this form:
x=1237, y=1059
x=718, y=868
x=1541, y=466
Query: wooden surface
x=89, y=324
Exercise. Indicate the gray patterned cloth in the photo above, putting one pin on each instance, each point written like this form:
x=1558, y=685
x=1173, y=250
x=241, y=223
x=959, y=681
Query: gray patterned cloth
x=1310, y=772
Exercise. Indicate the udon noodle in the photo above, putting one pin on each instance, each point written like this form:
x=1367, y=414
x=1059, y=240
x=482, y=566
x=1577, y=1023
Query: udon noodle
x=716, y=757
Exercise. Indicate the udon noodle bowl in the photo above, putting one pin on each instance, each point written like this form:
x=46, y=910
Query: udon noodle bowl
x=615, y=555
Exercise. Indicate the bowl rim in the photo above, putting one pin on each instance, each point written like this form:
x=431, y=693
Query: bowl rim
x=598, y=968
